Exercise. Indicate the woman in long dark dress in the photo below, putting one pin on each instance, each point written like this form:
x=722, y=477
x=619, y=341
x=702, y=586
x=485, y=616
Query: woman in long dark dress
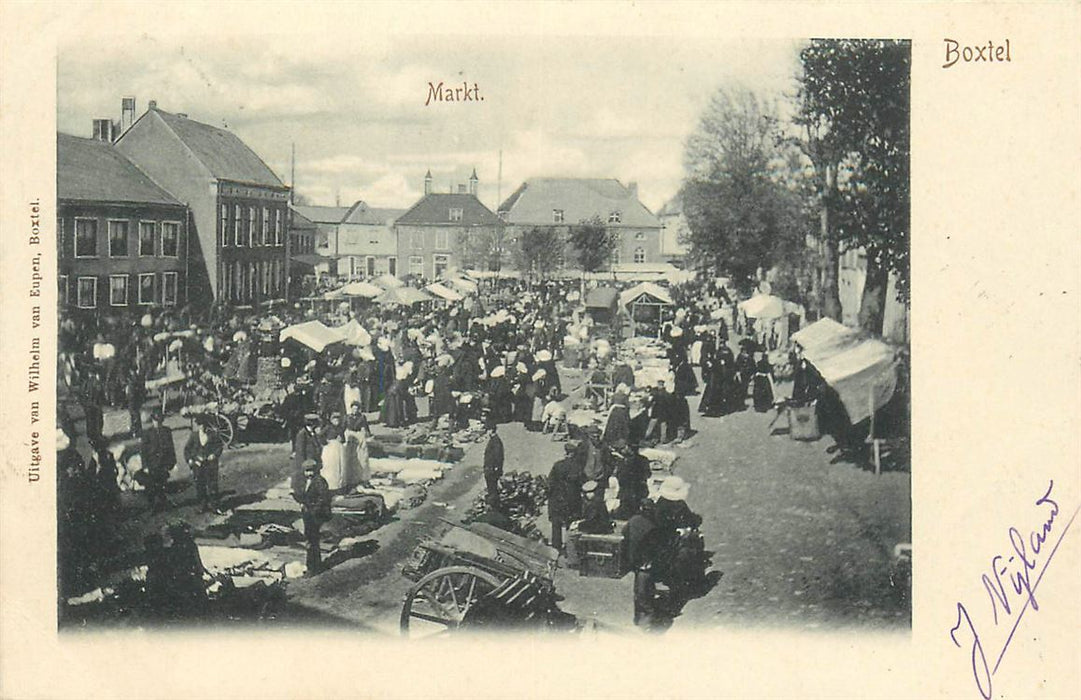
x=502, y=398
x=763, y=385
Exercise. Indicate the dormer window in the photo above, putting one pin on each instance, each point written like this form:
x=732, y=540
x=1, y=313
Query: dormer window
x=614, y=217
x=557, y=216
x=455, y=214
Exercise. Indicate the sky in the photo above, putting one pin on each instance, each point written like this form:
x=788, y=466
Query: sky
x=555, y=106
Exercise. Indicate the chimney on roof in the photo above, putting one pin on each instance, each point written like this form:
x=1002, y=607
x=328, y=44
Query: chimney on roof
x=461, y=189
x=182, y=115
x=473, y=180
x=153, y=104
x=127, y=113
x=632, y=187
x=428, y=182
x=103, y=130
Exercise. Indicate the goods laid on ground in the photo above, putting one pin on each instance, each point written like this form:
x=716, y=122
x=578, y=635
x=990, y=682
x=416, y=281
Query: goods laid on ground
x=522, y=497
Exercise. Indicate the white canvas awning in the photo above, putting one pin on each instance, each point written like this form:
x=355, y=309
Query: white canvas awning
x=354, y=333
x=312, y=334
x=388, y=282
x=359, y=289
x=862, y=370
x=464, y=285
x=444, y=293
x=659, y=294
x=763, y=306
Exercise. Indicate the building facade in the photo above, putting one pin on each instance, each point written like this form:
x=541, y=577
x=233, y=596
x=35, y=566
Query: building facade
x=561, y=203
x=122, y=241
x=327, y=222
x=239, y=207
x=675, y=233
x=444, y=232
x=362, y=241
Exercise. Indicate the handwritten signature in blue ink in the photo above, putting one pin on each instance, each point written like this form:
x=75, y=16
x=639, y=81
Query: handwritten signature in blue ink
x=1012, y=596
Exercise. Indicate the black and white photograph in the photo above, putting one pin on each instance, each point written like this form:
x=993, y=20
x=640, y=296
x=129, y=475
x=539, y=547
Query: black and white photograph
x=416, y=352
x=478, y=350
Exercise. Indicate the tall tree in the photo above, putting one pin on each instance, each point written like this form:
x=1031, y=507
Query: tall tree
x=854, y=111
x=592, y=243
x=538, y=251
x=736, y=205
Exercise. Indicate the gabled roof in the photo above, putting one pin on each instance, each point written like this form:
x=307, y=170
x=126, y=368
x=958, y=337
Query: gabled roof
x=221, y=151
x=361, y=213
x=299, y=221
x=92, y=170
x=434, y=210
x=323, y=215
x=579, y=199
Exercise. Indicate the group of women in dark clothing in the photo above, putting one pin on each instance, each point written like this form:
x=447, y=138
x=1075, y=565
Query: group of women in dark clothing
x=729, y=378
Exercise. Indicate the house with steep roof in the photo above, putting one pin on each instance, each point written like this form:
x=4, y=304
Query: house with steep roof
x=675, y=232
x=122, y=241
x=446, y=231
x=239, y=207
x=561, y=202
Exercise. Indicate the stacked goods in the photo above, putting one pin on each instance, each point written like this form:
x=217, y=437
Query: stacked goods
x=522, y=497
x=268, y=376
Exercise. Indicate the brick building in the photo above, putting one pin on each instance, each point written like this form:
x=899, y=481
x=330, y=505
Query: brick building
x=122, y=241
x=239, y=207
x=561, y=203
x=445, y=231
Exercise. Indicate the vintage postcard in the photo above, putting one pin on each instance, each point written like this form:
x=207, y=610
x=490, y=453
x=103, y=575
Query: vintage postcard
x=540, y=350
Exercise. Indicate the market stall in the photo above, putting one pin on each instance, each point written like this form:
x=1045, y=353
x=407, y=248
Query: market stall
x=312, y=334
x=602, y=303
x=388, y=282
x=447, y=295
x=648, y=305
x=860, y=368
x=404, y=296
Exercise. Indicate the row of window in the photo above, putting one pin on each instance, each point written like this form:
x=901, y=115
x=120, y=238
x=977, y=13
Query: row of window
x=639, y=255
x=440, y=263
x=122, y=292
x=244, y=281
x=442, y=240
x=614, y=217
x=249, y=231
x=155, y=239
x=369, y=268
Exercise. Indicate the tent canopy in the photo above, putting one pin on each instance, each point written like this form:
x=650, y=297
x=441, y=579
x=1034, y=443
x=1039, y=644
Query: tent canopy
x=405, y=296
x=656, y=294
x=764, y=306
x=354, y=333
x=601, y=298
x=463, y=285
x=861, y=369
x=388, y=282
x=444, y=293
x=361, y=289
x=312, y=334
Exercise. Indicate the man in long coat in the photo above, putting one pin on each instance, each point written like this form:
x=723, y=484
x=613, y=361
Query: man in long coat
x=158, y=455
x=307, y=444
x=493, y=462
x=564, y=495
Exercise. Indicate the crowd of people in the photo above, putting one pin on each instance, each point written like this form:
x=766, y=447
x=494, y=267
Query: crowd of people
x=490, y=358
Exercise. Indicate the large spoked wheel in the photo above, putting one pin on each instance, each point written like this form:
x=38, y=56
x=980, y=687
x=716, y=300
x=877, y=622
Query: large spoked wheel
x=221, y=427
x=440, y=601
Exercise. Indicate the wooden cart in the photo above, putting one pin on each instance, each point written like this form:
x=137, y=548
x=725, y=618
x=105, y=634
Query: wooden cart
x=477, y=576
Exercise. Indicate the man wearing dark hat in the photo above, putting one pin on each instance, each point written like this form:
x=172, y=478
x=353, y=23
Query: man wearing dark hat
x=493, y=461
x=314, y=501
x=308, y=444
x=203, y=455
x=158, y=455
x=564, y=494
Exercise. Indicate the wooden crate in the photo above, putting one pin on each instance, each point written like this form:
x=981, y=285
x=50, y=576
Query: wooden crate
x=803, y=423
x=599, y=555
